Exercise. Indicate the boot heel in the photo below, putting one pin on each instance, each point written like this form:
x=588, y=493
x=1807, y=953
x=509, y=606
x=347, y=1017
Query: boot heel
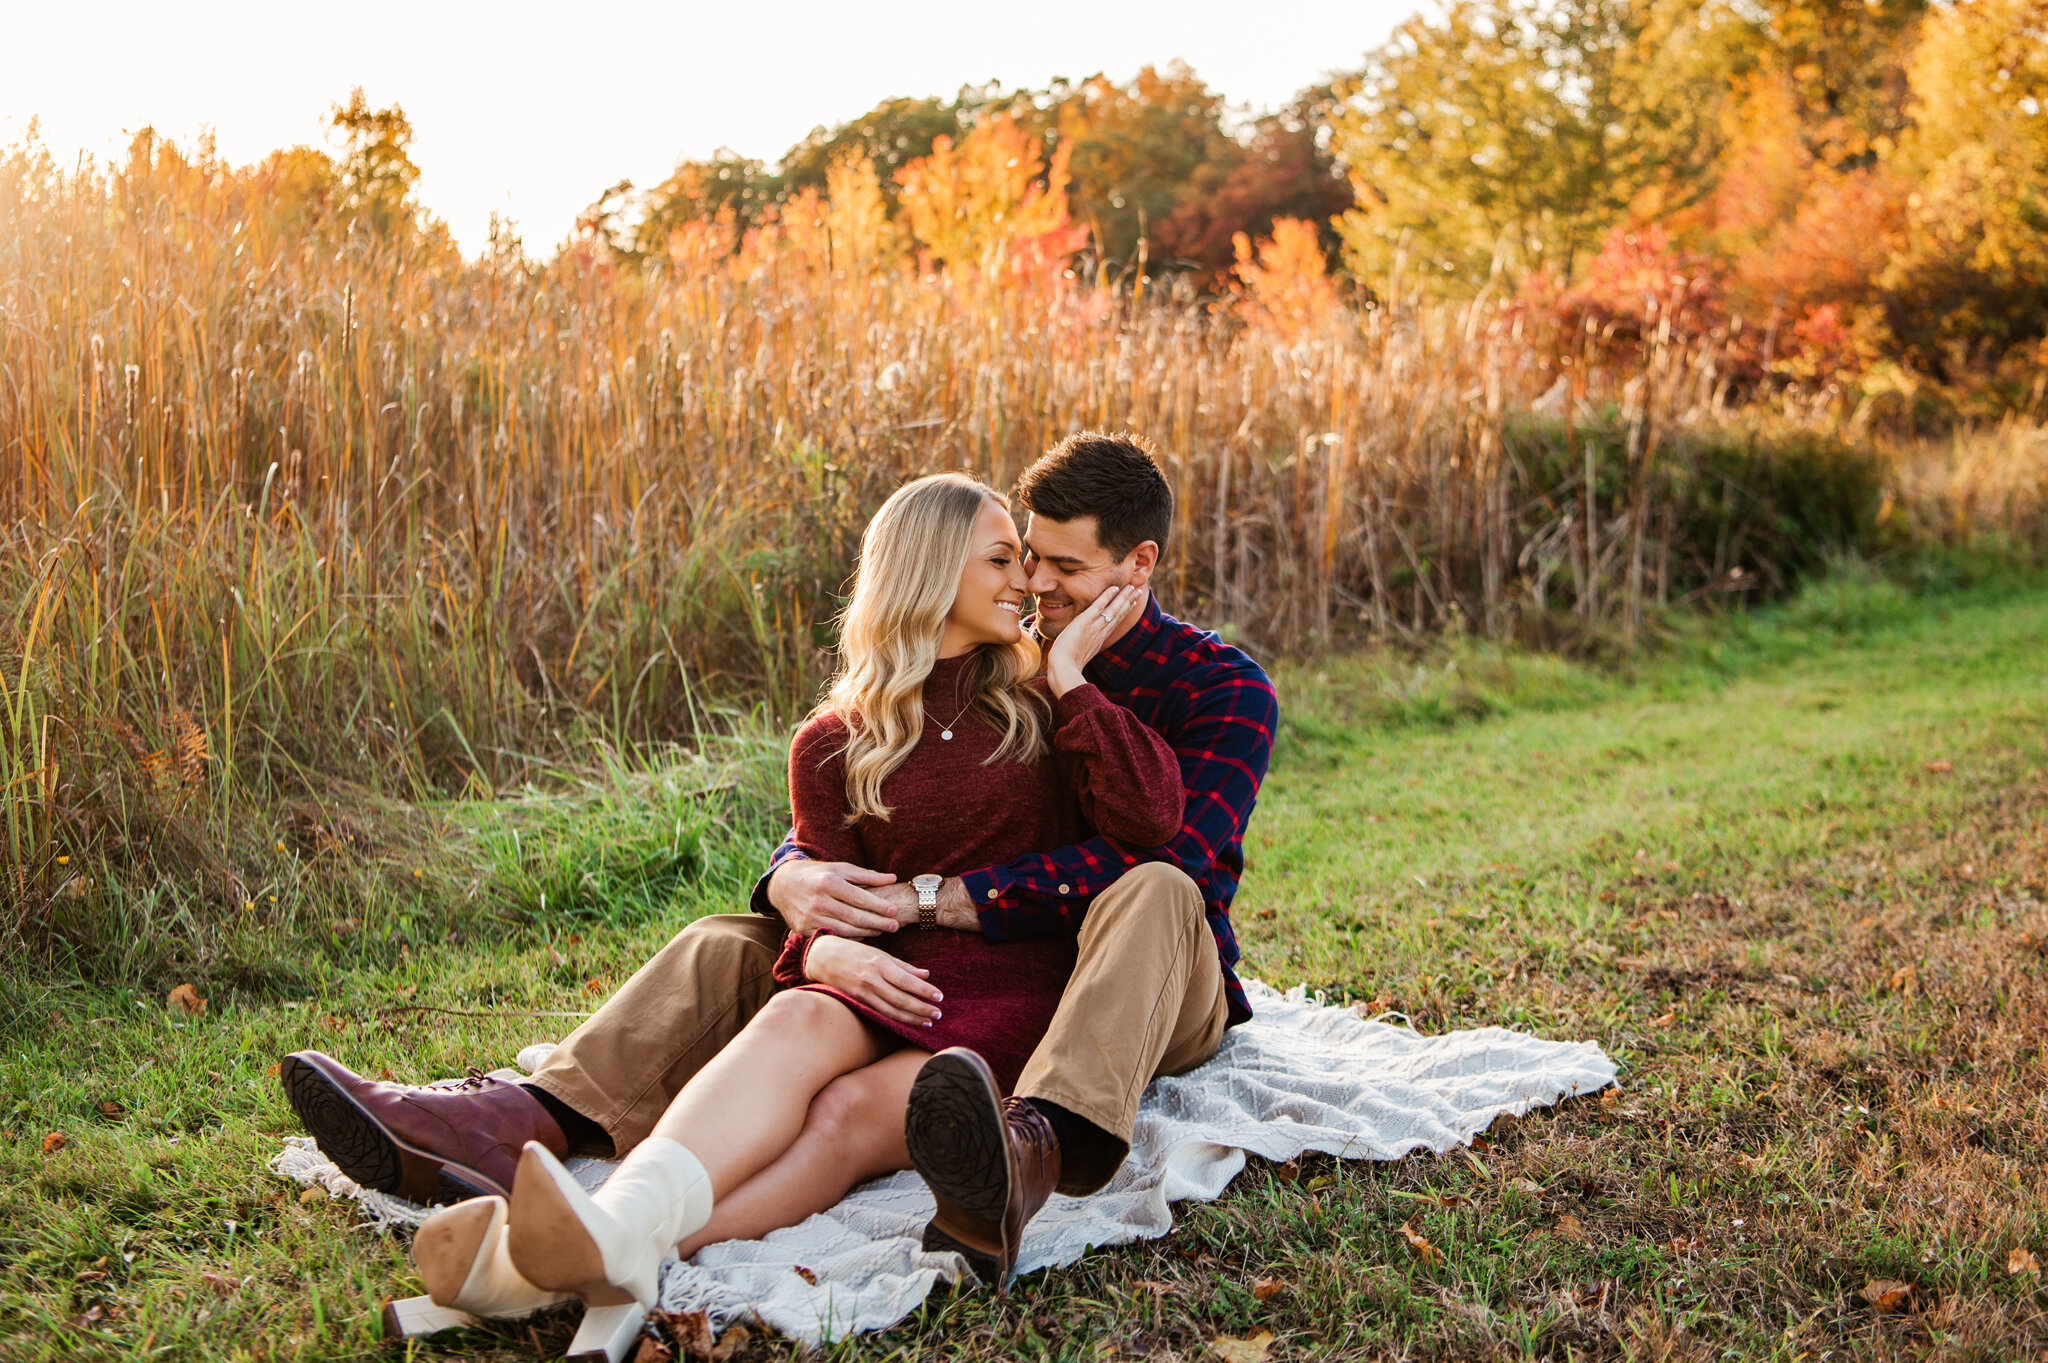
x=982, y=1264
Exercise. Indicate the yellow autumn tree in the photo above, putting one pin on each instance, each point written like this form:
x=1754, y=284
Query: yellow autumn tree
x=990, y=203
x=1970, y=279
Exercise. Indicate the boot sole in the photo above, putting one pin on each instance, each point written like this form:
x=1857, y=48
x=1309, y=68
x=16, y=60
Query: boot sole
x=545, y=1234
x=446, y=1249
x=960, y=1147
x=364, y=1149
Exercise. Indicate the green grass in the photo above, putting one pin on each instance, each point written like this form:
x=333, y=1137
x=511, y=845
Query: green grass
x=1818, y=959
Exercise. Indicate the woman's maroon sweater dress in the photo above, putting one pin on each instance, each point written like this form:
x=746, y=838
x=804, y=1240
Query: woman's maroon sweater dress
x=1106, y=773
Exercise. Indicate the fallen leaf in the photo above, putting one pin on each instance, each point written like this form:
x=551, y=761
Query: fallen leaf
x=1263, y=913
x=1425, y=1251
x=1231, y=1349
x=1527, y=1186
x=185, y=1001
x=805, y=1274
x=1569, y=1226
x=54, y=1142
x=1609, y=1096
x=91, y=1275
x=1288, y=1172
x=1886, y=1294
x=221, y=1283
x=730, y=1343
x=310, y=1196
x=2021, y=1260
x=593, y=986
x=110, y=1108
x=692, y=1332
x=274, y=1071
x=652, y=1350
x=387, y=1076
x=1154, y=1286
x=1680, y=1245
x=1941, y=766
x=1906, y=980
x=1265, y=1289
x=1664, y=1021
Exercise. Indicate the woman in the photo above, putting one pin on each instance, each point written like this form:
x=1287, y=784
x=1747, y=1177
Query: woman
x=937, y=750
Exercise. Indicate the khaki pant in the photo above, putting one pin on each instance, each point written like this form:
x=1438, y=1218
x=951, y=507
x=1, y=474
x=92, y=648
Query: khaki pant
x=1146, y=998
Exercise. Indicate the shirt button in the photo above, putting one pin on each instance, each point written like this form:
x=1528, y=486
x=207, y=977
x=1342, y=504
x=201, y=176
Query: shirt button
x=991, y=892
x=1065, y=890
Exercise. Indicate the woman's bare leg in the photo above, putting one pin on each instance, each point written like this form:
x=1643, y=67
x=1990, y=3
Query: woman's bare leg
x=853, y=1132
x=742, y=1110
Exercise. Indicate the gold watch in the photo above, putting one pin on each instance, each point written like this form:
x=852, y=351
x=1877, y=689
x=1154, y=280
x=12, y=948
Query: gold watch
x=927, y=887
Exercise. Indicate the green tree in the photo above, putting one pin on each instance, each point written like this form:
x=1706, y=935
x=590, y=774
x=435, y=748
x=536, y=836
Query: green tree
x=738, y=188
x=1522, y=132
x=891, y=135
x=1137, y=150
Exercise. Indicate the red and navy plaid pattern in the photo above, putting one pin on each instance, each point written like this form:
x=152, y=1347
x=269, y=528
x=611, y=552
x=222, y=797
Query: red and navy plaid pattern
x=1216, y=708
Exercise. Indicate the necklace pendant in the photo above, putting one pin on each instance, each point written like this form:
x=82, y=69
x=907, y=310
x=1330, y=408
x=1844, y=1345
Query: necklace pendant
x=946, y=734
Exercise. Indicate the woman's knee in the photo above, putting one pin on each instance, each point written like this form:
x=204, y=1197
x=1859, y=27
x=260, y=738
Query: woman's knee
x=812, y=1031
x=851, y=1115
x=807, y=1011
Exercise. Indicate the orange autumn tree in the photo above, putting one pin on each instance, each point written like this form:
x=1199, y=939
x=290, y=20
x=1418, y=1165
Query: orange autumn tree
x=990, y=204
x=1287, y=289
x=845, y=231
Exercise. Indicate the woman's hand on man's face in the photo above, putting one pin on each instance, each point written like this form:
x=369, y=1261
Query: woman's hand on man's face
x=869, y=975
x=1085, y=636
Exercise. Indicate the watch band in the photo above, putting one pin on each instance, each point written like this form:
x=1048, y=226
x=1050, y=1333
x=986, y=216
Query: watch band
x=927, y=887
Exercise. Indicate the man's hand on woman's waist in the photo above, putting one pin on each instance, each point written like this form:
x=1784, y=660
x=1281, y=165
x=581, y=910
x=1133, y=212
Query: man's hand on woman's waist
x=834, y=897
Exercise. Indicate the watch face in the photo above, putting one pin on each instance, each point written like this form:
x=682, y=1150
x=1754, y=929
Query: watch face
x=926, y=882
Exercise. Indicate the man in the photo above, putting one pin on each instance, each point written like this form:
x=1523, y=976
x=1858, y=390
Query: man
x=1151, y=994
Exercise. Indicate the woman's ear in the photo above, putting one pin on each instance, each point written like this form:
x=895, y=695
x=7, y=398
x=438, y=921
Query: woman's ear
x=1143, y=560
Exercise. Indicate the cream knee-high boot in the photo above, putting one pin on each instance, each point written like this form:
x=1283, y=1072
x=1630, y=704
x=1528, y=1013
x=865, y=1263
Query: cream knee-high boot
x=460, y=1252
x=567, y=1240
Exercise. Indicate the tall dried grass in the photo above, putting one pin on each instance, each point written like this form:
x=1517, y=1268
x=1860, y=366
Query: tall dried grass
x=371, y=514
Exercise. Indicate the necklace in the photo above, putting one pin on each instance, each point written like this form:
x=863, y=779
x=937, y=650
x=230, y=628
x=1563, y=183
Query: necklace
x=946, y=730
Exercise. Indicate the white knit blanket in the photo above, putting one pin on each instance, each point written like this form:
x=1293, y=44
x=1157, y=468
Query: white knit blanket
x=1299, y=1077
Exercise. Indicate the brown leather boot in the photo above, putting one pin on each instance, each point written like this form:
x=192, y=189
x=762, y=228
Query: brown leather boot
x=990, y=1161
x=429, y=1143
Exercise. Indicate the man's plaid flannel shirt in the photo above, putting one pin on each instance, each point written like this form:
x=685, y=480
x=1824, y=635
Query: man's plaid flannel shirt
x=1216, y=708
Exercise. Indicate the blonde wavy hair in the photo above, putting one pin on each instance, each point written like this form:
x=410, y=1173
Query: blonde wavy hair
x=911, y=558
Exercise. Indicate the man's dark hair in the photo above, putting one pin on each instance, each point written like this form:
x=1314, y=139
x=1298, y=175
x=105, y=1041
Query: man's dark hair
x=1115, y=478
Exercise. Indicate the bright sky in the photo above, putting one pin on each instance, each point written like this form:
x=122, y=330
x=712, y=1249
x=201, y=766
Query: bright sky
x=533, y=110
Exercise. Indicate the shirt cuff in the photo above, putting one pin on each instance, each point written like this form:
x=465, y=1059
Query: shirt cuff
x=985, y=890
x=758, y=902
